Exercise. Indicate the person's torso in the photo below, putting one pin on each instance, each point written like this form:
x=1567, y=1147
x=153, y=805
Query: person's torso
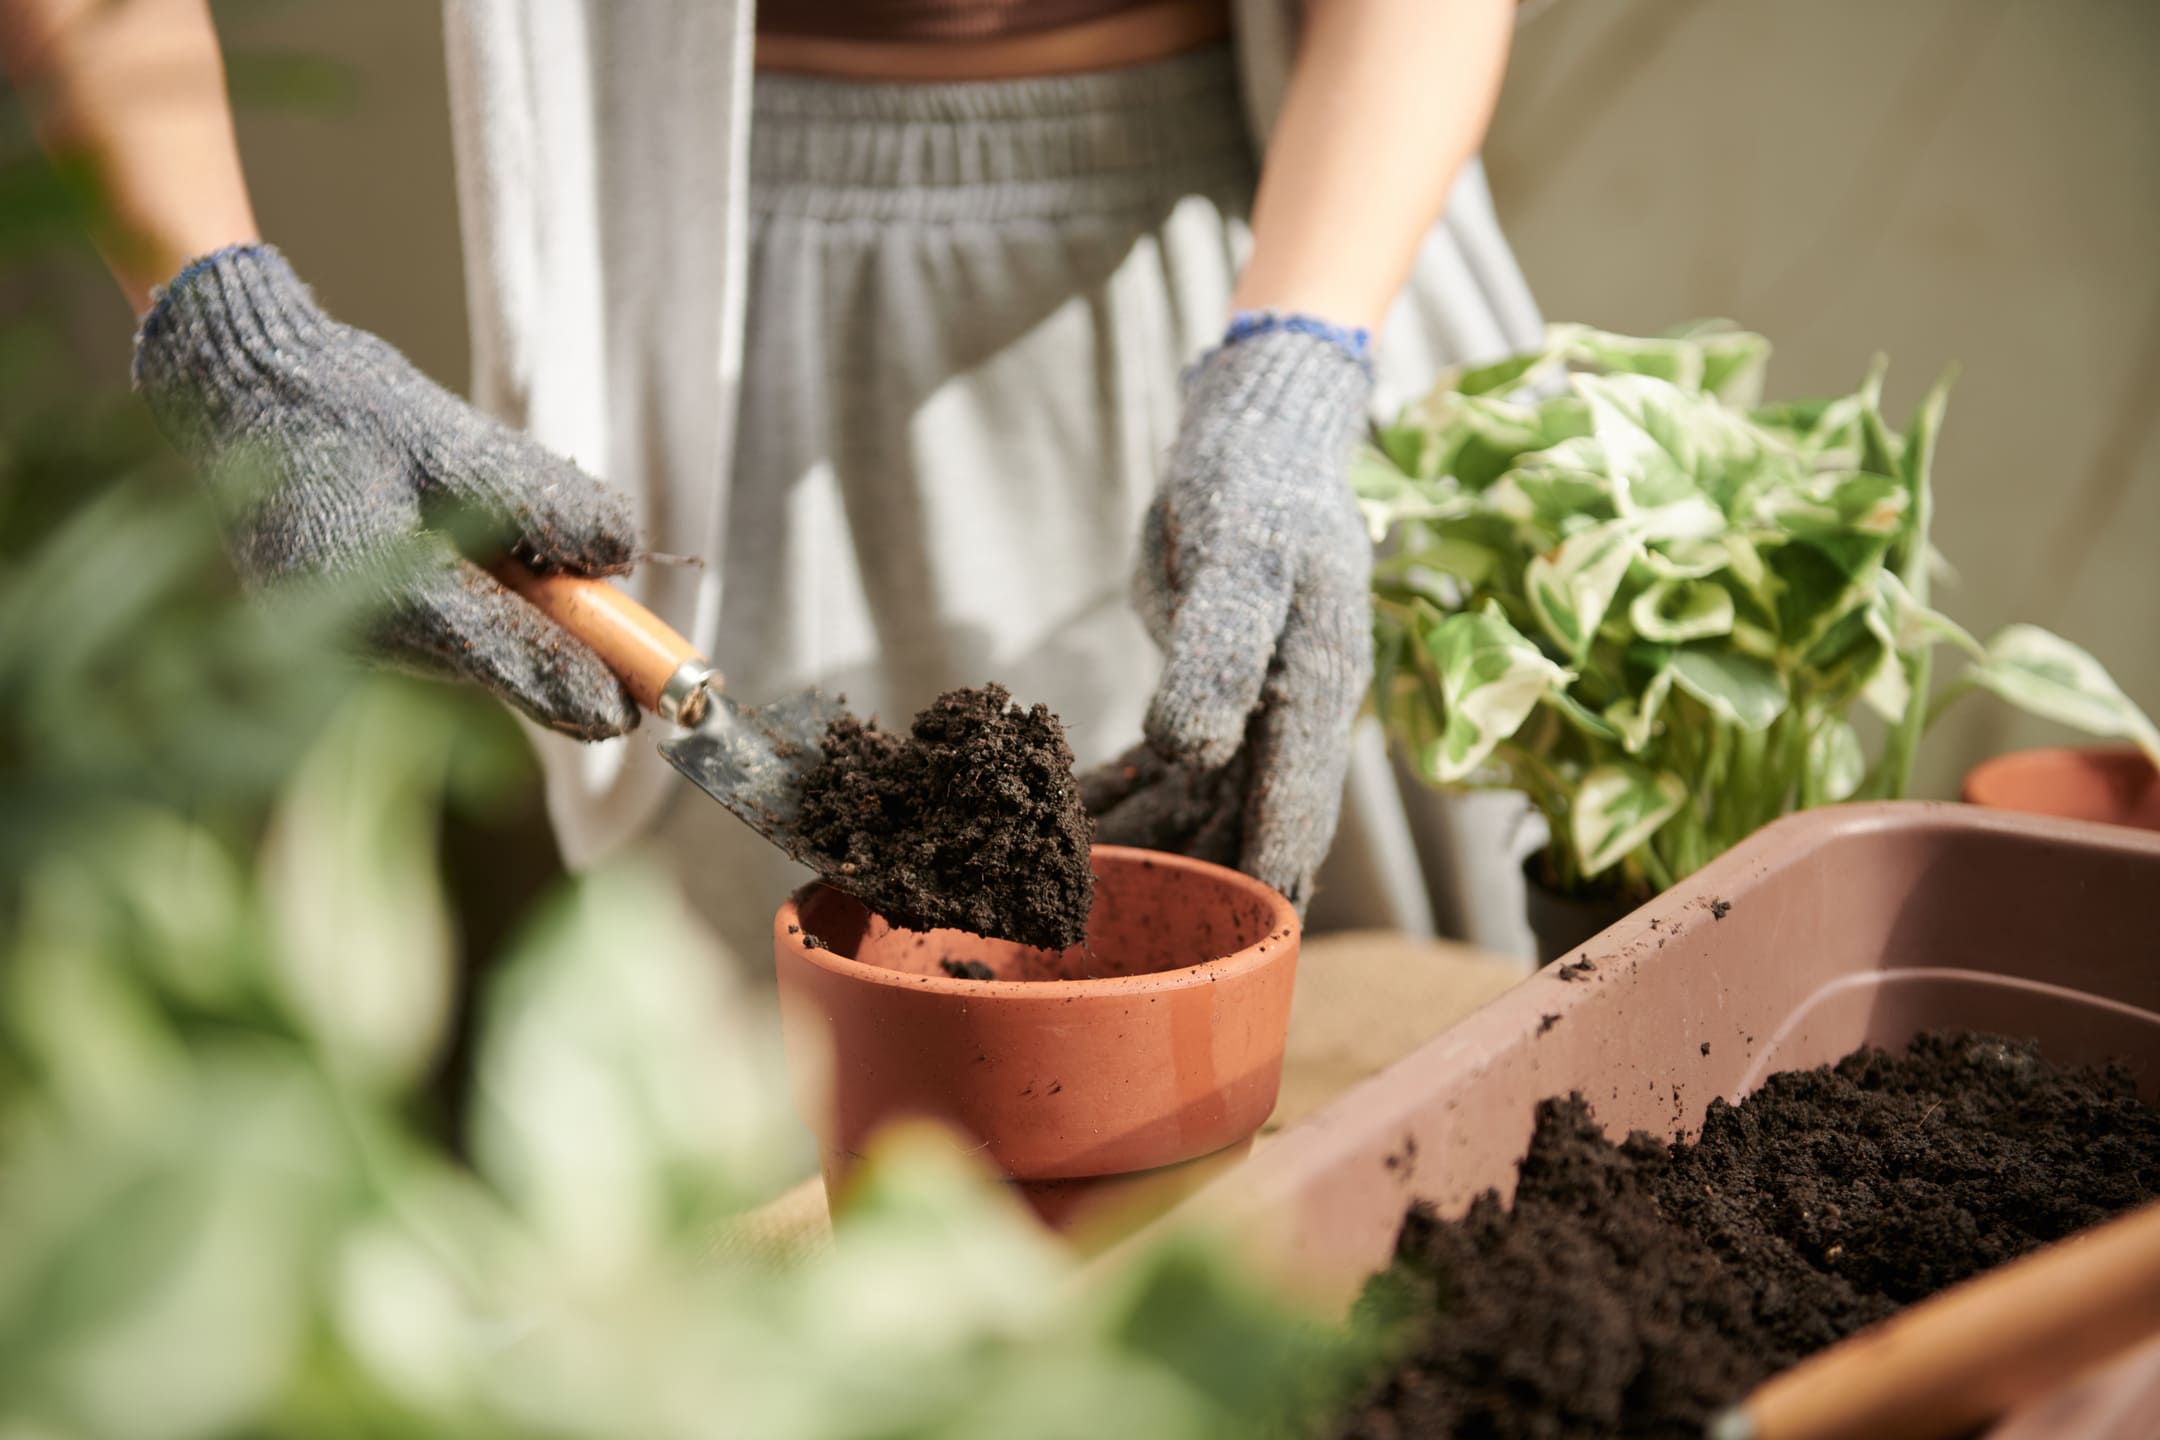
x=948, y=40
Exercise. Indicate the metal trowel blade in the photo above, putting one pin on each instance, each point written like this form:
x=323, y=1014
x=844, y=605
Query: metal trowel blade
x=753, y=761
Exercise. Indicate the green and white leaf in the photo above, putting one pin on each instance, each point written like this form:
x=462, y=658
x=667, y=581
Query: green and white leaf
x=1618, y=807
x=1642, y=427
x=2045, y=675
x=1581, y=716
x=1734, y=362
x=1687, y=559
x=1835, y=757
x=1676, y=362
x=1434, y=573
x=1450, y=561
x=365, y=942
x=1387, y=497
x=1879, y=450
x=1746, y=563
x=1918, y=460
x=1691, y=517
x=1673, y=364
x=1474, y=438
x=1571, y=589
x=1751, y=639
x=1817, y=590
x=1691, y=427
x=1914, y=626
x=1836, y=434
x=1634, y=717
x=1832, y=507
x=1673, y=612
x=1738, y=689
x=1502, y=376
x=1491, y=677
x=1544, y=491
x=1888, y=691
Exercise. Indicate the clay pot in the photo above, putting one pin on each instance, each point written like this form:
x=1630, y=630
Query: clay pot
x=1083, y=1075
x=2114, y=784
x=1561, y=922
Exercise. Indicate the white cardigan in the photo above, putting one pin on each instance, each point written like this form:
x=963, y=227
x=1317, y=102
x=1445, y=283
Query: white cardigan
x=602, y=157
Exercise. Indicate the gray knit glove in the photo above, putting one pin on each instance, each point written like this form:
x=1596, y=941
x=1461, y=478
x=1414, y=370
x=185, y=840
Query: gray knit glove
x=330, y=456
x=1254, y=576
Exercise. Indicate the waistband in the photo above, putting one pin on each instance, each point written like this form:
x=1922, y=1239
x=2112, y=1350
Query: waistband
x=998, y=149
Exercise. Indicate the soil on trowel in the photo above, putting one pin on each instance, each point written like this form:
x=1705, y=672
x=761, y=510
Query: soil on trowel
x=971, y=821
x=1638, y=1289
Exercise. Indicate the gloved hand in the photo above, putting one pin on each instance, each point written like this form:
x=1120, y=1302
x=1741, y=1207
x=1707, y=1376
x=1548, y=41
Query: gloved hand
x=329, y=455
x=1254, y=577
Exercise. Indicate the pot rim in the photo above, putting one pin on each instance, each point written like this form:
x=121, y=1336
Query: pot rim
x=2103, y=757
x=1277, y=945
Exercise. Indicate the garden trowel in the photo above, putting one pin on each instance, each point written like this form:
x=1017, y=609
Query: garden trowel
x=751, y=760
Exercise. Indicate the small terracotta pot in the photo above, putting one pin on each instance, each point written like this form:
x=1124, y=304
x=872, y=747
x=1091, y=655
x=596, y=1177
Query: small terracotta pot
x=2114, y=784
x=1156, y=1043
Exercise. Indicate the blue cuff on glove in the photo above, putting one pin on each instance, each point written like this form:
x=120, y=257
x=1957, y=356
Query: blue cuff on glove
x=1354, y=342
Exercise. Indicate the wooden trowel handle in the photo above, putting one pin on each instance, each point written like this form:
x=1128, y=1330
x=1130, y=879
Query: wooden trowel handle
x=662, y=671
x=1961, y=1358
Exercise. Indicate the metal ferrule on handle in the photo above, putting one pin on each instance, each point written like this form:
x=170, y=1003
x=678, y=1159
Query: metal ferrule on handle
x=662, y=671
x=687, y=694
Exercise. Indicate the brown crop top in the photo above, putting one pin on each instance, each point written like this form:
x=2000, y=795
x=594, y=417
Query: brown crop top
x=928, y=20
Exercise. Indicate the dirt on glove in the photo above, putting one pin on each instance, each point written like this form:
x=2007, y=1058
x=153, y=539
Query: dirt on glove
x=971, y=821
x=1638, y=1289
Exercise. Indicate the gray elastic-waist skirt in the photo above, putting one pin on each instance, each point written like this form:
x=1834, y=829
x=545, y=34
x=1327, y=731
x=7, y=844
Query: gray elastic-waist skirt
x=969, y=309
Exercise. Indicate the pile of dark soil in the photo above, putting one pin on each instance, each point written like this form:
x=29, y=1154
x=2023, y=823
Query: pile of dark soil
x=971, y=821
x=1639, y=1289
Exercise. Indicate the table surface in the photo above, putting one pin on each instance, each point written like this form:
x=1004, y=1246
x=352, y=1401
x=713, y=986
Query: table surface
x=1364, y=1000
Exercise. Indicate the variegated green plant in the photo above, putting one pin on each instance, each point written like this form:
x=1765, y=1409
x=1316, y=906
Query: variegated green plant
x=1613, y=580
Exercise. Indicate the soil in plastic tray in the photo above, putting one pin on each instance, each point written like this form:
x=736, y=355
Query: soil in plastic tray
x=1638, y=1289
x=970, y=821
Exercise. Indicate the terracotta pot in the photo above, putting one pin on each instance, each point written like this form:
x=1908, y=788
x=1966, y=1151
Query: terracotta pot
x=1847, y=925
x=1560, y=922
x=1156, y=1044
x=2114, y=784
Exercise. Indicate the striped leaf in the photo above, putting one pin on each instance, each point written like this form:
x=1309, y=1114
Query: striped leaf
x=1673, y=612
x=1618, y=807
x=1571, y=589
x=1737, y=688
x=1491, y=677
x=2046, y=675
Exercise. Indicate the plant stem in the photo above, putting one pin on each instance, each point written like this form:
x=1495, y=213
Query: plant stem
x=1905, y=740
x=1793, y=770
x=1716, y=771
x=1919, y=664
x=1655, y=868
x=1811, y=776
x=1742, y=797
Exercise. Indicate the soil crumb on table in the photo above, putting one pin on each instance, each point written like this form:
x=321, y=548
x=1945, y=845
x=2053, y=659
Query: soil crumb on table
x=1638, y=1289
x=971, y=821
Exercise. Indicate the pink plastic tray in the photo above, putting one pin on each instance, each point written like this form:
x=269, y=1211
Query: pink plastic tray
x=1841, y=927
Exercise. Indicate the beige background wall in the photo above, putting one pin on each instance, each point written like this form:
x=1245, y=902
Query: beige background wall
x=1944, y=180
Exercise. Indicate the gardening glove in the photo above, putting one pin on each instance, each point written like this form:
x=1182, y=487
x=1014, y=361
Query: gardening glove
x=1254, y=577
x=329, y=456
